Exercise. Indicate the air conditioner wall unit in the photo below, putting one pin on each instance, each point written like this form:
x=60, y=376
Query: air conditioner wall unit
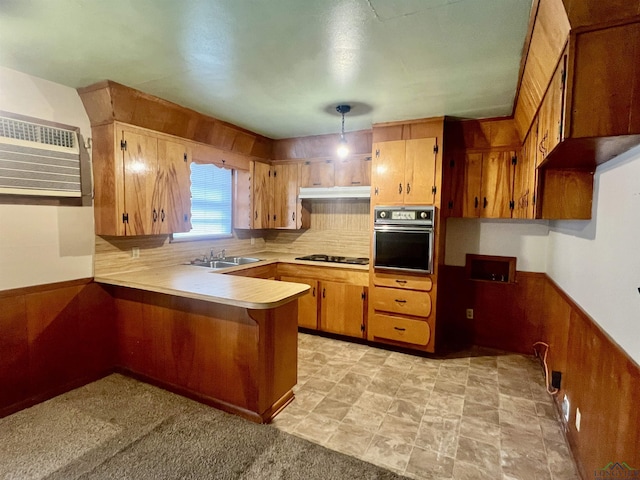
x=38, y=159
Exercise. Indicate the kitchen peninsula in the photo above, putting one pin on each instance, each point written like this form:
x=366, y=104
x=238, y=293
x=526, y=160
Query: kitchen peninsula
x=229, y=341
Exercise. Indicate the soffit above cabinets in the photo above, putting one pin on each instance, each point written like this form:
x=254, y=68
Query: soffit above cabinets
x=279, y=68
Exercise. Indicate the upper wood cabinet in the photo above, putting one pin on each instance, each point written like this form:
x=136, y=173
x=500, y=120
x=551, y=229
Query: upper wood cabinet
x=488, y=184
x=353, y=171
x=550, y=119
x=275, y=197
x=317, y=173
x=141, y=182
x=403, y=172
x=525, y=183
x=242, y=199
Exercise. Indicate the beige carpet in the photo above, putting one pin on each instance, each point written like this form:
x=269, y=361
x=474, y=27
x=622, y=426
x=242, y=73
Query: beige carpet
x=121, y=428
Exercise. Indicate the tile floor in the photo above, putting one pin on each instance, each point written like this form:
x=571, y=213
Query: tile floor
x=478, y=416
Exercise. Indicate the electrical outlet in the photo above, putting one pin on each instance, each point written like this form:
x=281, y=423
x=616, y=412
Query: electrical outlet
x=469, y=313
x=135, y=252
x=578, y=418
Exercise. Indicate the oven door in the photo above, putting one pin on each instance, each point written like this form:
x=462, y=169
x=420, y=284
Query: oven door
x=403, y=248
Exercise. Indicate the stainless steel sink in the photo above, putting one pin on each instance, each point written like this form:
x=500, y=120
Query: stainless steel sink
x=244, y=260
x=226, y=263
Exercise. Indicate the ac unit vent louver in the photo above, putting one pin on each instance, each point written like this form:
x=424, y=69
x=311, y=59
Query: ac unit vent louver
x=38, y=159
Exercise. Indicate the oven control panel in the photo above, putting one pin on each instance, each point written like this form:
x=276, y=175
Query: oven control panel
x=405, y=215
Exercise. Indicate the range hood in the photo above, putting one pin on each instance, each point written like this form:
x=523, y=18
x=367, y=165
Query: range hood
x=335, y=192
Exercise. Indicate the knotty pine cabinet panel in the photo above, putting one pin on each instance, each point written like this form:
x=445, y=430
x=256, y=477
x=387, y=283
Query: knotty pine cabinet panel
x=262, y=195
x=488, y=184
x=317, y=173
x=287, y=210
x=525, y=182
x=403, y=172
x=353, y=171
x=141, y=182
x=307, y=304
x=242, y=199
x=342, y=308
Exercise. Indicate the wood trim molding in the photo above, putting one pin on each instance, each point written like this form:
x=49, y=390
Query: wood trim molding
x=108, y=101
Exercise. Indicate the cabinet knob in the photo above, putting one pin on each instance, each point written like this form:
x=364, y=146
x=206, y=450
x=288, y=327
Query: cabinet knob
x=155, y=216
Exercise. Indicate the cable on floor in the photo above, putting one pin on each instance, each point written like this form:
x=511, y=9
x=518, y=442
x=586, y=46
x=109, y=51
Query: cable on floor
x=550, y=390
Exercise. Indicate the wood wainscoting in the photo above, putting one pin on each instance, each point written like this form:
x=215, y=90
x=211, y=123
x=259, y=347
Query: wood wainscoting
x=598, y=377
x=53, y=338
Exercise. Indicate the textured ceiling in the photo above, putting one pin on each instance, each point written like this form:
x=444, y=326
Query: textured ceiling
x=279, y=67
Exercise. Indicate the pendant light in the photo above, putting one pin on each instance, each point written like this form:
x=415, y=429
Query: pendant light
x=343, y=148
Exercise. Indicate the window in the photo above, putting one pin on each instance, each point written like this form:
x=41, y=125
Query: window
x=211, y=201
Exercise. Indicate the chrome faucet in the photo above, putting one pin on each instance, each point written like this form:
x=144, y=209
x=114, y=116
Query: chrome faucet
x=222, y=254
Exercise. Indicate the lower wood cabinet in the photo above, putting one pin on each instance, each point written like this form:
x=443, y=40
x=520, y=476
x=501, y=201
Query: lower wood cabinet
x=308, y=304
x=337, y=301
x=399, y=329
x=401, y=310
x=342, y=308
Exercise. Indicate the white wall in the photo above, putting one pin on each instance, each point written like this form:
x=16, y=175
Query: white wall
x=44, y=244
x=525, y=240
x=597, y=262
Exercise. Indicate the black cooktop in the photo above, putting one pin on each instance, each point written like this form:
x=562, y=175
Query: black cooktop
x=335, y=259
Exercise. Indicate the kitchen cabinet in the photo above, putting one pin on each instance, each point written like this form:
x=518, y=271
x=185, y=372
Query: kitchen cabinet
x=488, y=184
x=317, y=173
x=525, y=184
x=353, y=171
x=342, y=308
x=287, y=209
x=550, y=118
x=141, y=182
x=307, y=304
x=337, y=302
x=275, y=197
x=262, y=195
x=404, y=172
x=401, y=310
x=242, y=199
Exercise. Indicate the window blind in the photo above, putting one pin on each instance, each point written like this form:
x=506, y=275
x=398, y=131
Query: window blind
x=211, y=201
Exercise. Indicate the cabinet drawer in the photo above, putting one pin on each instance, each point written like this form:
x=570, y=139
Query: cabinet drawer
x=410, y=282
x=399, y=329
x=404, y=302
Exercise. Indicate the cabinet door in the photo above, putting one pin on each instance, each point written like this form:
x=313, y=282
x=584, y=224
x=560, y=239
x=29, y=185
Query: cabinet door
x=285, y=197
x=242, y=209
x=551, y=113
x=497, y=184
x=140, y=177
x=172, y=195
x=342, y=309
x=387, y=174
x=472, y=185
x=307, y=304
x=420, y=171
x=452, y=184
x=262, y=195
x=317, y=173
x=525, y=181
x=353, y=171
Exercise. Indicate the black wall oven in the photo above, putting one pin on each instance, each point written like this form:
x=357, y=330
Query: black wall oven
x=403, y=238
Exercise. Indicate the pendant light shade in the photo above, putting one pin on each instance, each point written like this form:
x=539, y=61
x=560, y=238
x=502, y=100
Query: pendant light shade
x=343, y=147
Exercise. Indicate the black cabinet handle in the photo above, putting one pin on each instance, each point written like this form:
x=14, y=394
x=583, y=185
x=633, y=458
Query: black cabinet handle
x=355, y=183
x=293, y=216
x=408, y=188
x=323, y=292
x=400, y=301
x=162, y=215
x=485, y=203
x=155, y=216
x=399, y=188
x=256, y=214
x=399, y=329
x=475, y=203
x=313, y=294
x=402, y=282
